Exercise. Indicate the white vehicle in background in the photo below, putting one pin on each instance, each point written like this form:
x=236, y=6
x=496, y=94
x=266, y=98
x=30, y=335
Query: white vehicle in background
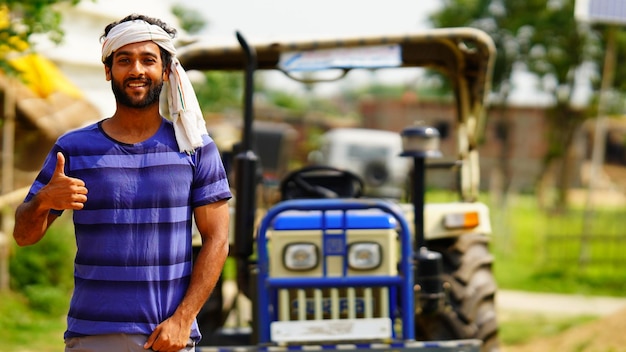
x=374, y=155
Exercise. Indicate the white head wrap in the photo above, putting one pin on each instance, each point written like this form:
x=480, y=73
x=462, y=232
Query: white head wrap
x=189, y=124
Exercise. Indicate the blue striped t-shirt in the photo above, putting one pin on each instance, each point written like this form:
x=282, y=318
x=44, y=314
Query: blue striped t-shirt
x=133, y=260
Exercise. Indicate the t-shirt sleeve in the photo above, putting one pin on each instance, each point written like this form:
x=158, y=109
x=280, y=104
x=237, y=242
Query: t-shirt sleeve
x=210, y=181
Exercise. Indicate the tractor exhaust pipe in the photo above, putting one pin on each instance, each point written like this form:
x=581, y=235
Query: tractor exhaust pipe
x=421, y=142
x=245, y=167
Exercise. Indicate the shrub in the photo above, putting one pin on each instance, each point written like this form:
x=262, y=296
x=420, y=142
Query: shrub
x=47, y=299
x=44, y=270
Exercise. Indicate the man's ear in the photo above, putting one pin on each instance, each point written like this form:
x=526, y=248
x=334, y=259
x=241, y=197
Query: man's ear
x=166, y=74
x=107, y=71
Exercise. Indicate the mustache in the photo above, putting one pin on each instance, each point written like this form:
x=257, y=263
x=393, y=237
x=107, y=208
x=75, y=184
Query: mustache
x=137, y=80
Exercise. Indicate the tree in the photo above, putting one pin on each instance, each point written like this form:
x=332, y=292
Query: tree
x=216, y=91
x=220, y=91
x=543, y=37
x=19, y=20
x=191, y=20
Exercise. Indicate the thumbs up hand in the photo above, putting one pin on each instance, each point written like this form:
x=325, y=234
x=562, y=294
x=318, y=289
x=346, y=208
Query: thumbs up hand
x=63, y=192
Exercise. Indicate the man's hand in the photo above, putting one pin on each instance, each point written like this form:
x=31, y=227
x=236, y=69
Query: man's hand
x=63, y=192
x=33, y=218
x=169, y=336
x=212, y=221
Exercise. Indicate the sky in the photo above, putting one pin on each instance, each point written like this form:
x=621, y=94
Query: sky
x=274, y=19
x=279, y=18
x=265, y=20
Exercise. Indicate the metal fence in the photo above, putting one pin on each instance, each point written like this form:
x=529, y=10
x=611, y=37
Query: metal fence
x=598, y=244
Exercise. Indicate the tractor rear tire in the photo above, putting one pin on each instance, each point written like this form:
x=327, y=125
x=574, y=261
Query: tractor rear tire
x=469, y=311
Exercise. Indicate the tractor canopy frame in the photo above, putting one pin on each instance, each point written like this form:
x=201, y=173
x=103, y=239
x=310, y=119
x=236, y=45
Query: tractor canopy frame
x=464, y=55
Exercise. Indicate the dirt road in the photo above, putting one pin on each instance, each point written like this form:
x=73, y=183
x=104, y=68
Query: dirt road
x=606, y=333
x=552, y=303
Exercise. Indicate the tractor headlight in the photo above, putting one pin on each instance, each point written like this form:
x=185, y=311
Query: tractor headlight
x=364, y=255
x=300, y=256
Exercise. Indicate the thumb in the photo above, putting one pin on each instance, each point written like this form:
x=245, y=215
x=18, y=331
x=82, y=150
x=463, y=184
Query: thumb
x=60, y=168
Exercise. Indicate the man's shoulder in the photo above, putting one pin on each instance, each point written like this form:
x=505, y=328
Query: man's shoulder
x=77, y=138
x=81, y=131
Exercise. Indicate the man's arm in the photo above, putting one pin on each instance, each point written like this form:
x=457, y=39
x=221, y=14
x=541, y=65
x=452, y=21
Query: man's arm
x=212, y=222
x=31, y=222
x=33, y=218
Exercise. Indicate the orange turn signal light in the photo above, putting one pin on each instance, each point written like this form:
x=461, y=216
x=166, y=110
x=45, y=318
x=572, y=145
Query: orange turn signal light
x=465, y=220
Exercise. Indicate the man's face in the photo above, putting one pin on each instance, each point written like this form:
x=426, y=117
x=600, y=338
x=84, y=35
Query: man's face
x=137, y=74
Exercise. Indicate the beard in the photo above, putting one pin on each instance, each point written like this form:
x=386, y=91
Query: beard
x=151, y=98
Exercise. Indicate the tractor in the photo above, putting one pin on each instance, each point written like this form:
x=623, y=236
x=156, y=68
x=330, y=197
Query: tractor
x=335, y=262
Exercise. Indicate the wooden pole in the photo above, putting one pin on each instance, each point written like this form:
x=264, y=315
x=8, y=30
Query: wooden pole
x=599, y=141
x=8, y=145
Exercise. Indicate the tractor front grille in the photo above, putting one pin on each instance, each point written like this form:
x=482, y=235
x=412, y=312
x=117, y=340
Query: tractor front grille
x=334, y=297
x=333, y=303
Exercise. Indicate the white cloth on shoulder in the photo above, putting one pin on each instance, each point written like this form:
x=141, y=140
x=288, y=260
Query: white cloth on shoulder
x=189, y=124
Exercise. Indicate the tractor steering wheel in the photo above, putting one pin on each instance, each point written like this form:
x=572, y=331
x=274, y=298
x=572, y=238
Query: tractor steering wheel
x=321, y=182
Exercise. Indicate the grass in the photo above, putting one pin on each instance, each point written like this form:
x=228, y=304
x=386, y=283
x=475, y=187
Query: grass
x=518, y=328
x=25, y=330
x=524, y=260
x=541, y=252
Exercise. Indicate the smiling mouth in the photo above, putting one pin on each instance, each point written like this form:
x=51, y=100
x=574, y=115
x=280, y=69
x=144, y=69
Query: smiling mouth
x=137, y=84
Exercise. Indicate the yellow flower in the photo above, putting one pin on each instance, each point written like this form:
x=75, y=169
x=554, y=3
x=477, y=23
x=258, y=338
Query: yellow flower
x=5, y=21
x=17, y=43
x=4, y=50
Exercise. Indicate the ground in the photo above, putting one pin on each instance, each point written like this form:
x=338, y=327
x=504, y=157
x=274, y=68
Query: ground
x=607, y=334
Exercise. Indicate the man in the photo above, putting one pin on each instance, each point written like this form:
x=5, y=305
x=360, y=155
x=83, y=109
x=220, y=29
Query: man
x=133, y=182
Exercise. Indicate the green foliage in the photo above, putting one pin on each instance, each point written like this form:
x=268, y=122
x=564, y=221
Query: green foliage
x=191, y=20
x=542, y=35
x=24, y=329
x=36, y=16
x=620, y=70
x=220, y=90
x=19, y=20
x=520, y=328
x=533, y=252
x=544, y=38
x=44, y=271
x=435, y=88
x=558, y=46
x=47, y=299
x=286, y=100
x=382, y=90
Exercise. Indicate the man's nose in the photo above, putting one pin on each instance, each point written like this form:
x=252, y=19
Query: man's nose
x=137, y=68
